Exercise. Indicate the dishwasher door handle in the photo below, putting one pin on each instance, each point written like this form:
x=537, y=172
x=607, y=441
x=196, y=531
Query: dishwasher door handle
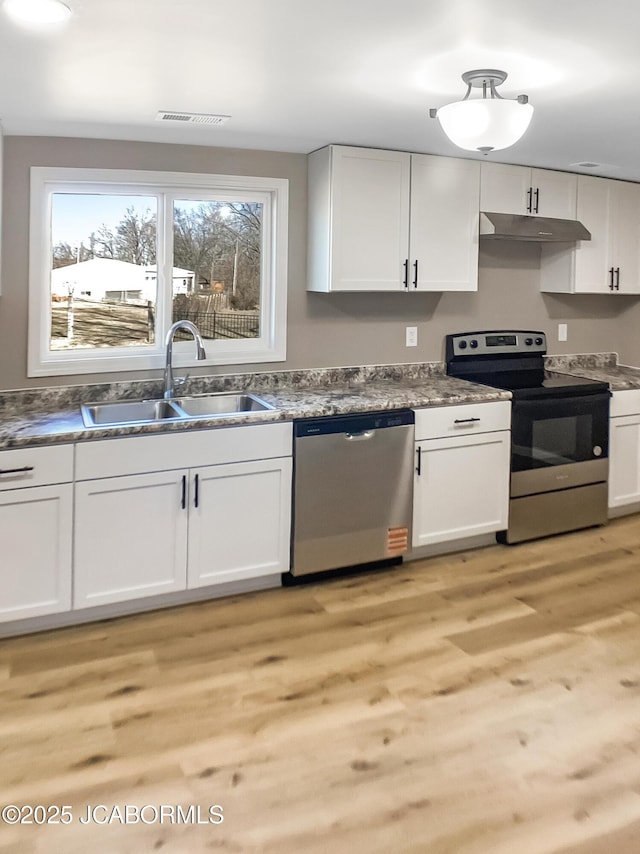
x=362, y=436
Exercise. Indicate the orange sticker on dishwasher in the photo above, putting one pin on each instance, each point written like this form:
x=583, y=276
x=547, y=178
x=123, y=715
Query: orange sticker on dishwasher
x=397, y=540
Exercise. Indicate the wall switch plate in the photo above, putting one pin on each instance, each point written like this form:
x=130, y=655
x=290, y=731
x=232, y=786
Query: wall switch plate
x=411, y=336
x=562, y=332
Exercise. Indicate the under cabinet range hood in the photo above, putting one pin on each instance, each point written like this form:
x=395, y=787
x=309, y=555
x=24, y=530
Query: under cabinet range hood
x=534, y=229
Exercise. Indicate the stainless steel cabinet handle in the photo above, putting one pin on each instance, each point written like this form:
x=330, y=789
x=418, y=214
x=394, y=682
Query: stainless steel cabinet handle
x=16, y=471
x=465, y=420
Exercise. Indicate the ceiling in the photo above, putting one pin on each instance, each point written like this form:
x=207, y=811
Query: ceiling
x=295, y=75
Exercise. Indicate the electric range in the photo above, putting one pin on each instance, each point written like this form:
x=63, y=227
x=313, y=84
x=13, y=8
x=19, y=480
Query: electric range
x=559, y=431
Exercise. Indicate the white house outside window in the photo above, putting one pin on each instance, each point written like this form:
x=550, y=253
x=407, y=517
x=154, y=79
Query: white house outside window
x=116, y=257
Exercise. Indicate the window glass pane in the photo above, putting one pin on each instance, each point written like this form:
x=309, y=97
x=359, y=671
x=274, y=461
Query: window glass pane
x=103, y=270
x=217, y=267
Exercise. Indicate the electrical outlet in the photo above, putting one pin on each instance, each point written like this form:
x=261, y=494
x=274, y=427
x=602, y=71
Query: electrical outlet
x=411, y=336
x=562, y=332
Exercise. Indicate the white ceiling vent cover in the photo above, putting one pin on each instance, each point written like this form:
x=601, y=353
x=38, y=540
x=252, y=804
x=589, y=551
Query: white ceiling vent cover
x=191, y=118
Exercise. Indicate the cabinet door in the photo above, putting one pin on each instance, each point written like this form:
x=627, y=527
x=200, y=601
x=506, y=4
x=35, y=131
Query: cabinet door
x=461, y=487
x=554, y=193
x=369, y=219
x=239, y=521
x=35, y=533
x=610, y=261
x=130, y=538
x=593, y=257
x=504, y=188
x=625, y=236
x=624, y=461
x=443, y=245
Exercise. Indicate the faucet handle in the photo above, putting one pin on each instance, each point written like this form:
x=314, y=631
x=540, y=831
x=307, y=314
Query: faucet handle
x=178, y=382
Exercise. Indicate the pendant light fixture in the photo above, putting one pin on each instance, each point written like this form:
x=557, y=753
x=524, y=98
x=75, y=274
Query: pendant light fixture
x=488, y=123
x=37, y=11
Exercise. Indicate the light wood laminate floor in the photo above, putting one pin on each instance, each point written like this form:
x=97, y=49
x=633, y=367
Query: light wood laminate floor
x=482, y=703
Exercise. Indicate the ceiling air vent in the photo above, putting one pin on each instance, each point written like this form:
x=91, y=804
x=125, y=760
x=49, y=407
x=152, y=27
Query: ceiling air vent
x=191, y=118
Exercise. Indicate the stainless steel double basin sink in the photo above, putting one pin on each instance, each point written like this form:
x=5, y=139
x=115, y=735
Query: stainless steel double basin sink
x=124, y=413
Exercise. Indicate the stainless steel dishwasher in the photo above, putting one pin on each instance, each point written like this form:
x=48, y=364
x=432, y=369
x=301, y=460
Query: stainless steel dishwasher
x=353, y=488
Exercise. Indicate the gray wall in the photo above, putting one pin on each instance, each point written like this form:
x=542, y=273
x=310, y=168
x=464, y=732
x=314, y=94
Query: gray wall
x=323, y=330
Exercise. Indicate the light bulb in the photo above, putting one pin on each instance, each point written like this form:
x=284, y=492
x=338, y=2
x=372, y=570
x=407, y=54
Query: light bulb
x=37, y=11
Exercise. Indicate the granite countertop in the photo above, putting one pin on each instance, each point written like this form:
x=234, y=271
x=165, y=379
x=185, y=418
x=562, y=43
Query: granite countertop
x=603, y=367
x=52, y=415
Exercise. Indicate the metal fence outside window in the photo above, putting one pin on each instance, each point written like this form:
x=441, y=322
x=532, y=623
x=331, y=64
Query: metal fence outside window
x=221, y=324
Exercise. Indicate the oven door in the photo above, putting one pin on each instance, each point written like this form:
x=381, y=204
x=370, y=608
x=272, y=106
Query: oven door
x=559, y=442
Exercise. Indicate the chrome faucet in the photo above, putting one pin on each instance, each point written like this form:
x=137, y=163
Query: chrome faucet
x=188, y=326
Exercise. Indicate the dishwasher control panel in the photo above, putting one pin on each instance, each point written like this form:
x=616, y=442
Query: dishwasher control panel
x=353, y=423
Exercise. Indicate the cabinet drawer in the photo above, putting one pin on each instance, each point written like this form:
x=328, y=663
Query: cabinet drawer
x=191, y=449
x=626, y=402
x=440, y=421
x=36, y=466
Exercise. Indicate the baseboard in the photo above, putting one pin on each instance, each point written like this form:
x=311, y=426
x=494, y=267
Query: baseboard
x=137, y=606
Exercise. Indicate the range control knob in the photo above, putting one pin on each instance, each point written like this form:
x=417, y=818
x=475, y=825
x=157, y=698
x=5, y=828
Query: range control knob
x=539, y=342
x=473, y=343
x=463, y=345
x=528, y=341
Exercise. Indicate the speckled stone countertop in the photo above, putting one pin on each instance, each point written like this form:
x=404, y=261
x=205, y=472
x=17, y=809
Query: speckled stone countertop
x=597, y=366
x=52, y=415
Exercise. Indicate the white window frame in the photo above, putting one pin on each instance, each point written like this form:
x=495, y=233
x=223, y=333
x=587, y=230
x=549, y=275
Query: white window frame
x=167, y=187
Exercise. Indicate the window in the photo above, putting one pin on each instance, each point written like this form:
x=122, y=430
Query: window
x=117, y=257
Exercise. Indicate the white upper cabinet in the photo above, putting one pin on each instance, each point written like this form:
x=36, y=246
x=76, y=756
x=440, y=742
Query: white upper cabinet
x=358, y=219
x=522, y=190
x=443, y=235
x=391, y=221
x=610, y=261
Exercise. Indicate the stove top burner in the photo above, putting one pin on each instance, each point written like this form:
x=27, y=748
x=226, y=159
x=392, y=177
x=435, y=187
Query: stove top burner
x=513, y=361
x=536, y=383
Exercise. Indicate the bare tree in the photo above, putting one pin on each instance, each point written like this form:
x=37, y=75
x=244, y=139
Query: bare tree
x=135, y=238
x=64, y=254
x=102, y=243
x=193, y=242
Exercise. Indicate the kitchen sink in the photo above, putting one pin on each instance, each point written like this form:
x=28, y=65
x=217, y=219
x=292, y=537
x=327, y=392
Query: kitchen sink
x=123, y=413
x=222, y=403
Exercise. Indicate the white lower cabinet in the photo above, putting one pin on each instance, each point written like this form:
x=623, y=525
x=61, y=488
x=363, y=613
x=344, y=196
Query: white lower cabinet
x=35, y=532
x=624, y=449
x=461, y=485
x=239, y=526
x=131, y=538
x=144, y=534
